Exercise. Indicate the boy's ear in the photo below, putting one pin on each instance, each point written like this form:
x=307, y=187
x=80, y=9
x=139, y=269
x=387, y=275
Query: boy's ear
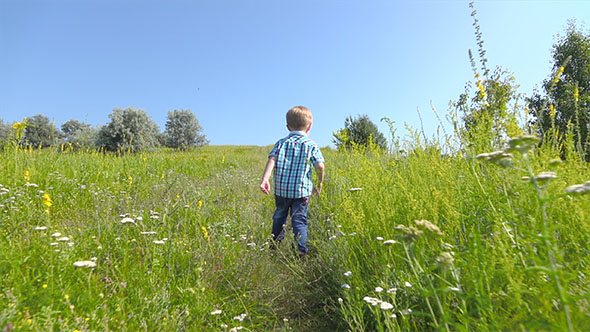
x=309, y=127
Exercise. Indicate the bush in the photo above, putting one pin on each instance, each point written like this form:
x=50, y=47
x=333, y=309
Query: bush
x=130, y=130
x=183, y=130
x=359, y=131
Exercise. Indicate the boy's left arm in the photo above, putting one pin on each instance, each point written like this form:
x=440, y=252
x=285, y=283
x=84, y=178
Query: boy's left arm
x=317, y=189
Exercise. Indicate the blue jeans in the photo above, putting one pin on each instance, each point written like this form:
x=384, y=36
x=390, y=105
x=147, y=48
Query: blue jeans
x=298, y=211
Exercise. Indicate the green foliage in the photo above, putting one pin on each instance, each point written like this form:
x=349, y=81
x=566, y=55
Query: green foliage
x=495, y=252
x=183, y=130
x=79, y=134
x=565, y=105
x=359, y=131
x=490, y=110
x=40, y=132
x=5, y=129
x=130, y=130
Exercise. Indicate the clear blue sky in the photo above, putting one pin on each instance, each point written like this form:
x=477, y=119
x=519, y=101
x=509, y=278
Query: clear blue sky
x=240, y=65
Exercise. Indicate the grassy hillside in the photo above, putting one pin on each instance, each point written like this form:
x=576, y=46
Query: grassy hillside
x=431, y=242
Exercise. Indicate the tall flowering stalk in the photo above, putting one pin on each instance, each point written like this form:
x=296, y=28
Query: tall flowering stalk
x=523, y=144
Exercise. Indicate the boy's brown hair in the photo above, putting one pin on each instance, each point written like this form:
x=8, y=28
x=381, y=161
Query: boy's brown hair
x=299, y=117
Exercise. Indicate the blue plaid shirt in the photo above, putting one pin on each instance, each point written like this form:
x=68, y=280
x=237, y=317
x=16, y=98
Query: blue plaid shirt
x=294, y=156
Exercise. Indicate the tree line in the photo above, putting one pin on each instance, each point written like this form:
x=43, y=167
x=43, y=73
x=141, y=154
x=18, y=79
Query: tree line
x=491, y=109
x=129, y=130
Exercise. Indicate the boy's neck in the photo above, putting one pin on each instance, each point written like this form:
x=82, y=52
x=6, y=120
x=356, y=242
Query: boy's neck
x=299, y=132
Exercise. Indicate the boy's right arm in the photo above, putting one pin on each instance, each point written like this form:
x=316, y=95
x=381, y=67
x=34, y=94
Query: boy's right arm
x=265, y=183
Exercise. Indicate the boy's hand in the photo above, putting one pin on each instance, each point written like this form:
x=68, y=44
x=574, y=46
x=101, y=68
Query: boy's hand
x=265, y=186
x=317, y=190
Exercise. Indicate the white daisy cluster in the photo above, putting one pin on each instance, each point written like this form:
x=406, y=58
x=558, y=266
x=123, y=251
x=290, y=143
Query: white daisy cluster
x=578, y=188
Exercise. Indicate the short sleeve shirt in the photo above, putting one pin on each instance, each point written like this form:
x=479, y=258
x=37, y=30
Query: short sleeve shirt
x=294, y=157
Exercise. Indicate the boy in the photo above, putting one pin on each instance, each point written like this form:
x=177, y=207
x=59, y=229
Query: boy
x=290, y=158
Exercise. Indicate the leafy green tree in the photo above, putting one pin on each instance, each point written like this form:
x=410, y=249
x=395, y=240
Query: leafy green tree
x=79, y=134
x=72, y=126
x=130, y=130
x=565, y=105
x=40, y=132
x=4, y=132
x=359, y=131
x=183, y=130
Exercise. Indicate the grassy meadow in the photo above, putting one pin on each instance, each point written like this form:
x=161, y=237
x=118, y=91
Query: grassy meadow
x=178, y=241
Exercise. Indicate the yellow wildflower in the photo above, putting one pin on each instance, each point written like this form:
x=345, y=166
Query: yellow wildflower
x=27, y=176
x=482, y=90
x=44, y=285
x=576, y=94
x=552, y=111
x=199, y=204
x=130, y=179
x=67, y=297
x=205, y=232
x=19, y=125
x=558, y=73
x=560, y=70
x=47, y=200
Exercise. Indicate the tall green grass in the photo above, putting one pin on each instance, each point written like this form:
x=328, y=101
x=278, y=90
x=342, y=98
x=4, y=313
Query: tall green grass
x=511, y=254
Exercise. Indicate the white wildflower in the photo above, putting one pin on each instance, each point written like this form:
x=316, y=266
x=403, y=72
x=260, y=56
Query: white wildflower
x=352, y=234
x=85, y=264
x=332, y=237
x=545, y=176
x=40, y=228
x=251, y=244
x=215, y=312
x=407, y=284
x=158, y=242
x=235, y=329
x=372, y=301
x=388, y=242
x=345, y=286
x=139, y=218
x=578, y=188
x=429, y=226
x=392, y=290
x=355, y=189
x=378, y=289
x=406, y=312
x=240, y=317
x=53, y=244
x=454, y=289
x=63, y=239
x=340, y=300
x=127, y=220
x=58, y=234
x=347, y=273
x=385, y=306
x=379, y=238
x=445, y=258
x=393, y=316
x=148, y=233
